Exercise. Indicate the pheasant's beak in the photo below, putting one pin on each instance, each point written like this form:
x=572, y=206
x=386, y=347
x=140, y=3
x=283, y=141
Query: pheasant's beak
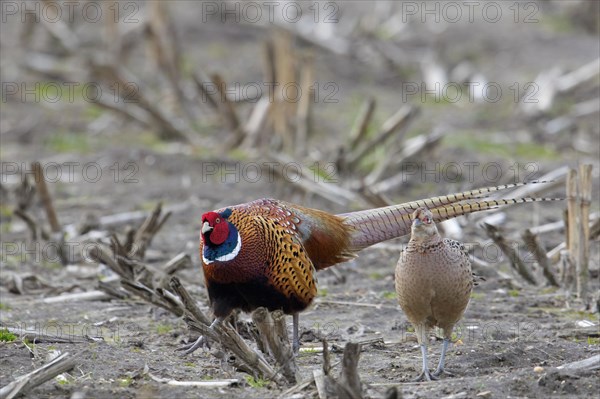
x=206, y=228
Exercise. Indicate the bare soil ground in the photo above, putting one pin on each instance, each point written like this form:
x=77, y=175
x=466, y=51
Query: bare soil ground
x=509, y=329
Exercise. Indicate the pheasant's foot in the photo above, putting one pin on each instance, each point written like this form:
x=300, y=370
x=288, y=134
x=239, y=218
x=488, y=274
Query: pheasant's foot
x=425, y=376
x=202, y=341
x=439, y=372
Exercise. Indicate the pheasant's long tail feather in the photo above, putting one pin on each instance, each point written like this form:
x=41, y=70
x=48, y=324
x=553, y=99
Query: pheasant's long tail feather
x=376, y=225
x=458, y=209
x=433, y=202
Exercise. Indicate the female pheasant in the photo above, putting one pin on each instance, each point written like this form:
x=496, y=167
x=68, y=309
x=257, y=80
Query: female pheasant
x=265, y=253
x=433, y=282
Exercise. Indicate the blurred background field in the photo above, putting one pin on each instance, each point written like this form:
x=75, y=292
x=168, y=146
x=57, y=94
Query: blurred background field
x=334, y=105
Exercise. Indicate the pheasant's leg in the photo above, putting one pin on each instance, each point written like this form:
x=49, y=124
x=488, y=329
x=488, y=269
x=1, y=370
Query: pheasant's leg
x=425, y=374
x=201, y=341
x=233, y=320
x=422, y=333
x=295, y=335
x=440, y=368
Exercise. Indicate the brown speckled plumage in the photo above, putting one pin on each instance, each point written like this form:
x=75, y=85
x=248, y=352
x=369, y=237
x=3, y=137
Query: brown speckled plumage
x=433, y=279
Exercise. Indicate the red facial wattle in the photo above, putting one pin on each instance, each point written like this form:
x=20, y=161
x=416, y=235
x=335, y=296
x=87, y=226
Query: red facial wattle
x=220, y=233
x=220, y=228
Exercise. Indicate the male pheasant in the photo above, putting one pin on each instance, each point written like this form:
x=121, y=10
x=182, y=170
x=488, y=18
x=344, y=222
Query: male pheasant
x=264, y=253
x=433, y=282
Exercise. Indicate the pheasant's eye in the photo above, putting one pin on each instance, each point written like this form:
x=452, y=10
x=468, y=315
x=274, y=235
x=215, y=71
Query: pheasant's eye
x=426, y=219
x=217, y=220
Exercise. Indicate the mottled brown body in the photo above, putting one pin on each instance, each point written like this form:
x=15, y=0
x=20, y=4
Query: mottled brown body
x=433, y=283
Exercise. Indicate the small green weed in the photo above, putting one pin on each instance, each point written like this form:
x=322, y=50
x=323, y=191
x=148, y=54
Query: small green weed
x=125, y=382
x=477, y=296
x=163, y=329
x=7, y=336
x=389, y=294
x=256, y=382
